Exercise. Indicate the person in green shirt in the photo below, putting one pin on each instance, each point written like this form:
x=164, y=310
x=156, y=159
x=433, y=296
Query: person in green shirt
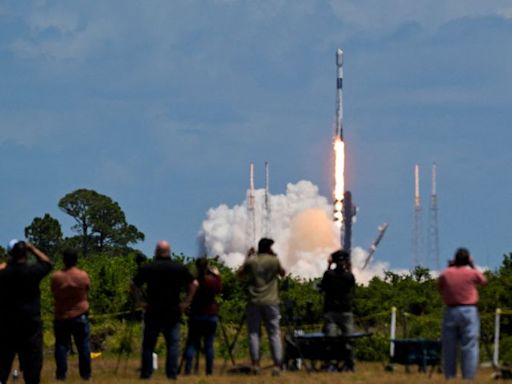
x=262, y=272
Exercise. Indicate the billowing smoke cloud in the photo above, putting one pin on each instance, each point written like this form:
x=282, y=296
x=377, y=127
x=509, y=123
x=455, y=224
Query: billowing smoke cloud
x=301, y=224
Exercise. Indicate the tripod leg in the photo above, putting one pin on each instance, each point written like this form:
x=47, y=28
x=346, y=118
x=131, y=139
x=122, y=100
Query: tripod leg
x=182, y=360
x=238, y=332
x=125, y=347
x=231, y=345
x=226, y=342
x=293, y=342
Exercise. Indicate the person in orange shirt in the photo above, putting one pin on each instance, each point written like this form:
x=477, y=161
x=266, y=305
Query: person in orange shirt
x=70, y=288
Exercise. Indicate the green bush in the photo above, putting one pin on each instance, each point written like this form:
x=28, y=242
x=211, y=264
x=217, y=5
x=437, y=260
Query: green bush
x=373, y=348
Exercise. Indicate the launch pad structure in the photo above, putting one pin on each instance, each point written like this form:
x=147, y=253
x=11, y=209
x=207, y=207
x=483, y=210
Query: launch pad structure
x=433, y=225
x=266, y=218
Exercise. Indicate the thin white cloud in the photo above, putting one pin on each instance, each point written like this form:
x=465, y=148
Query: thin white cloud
x=375, y=15
x=506, y=13
x=58, y=20
x=29, y=129
x=71, y=42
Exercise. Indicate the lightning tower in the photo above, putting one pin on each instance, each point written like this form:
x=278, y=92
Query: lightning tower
x=251, y=210
x=268, y=207
x=433, y=229
x=416, y=239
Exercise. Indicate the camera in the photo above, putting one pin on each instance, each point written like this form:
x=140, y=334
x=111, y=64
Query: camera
x=340, y=256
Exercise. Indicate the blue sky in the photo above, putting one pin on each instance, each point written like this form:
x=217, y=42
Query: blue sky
x=162, y=104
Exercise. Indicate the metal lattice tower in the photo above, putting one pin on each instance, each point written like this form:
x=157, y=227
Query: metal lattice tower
x=268, y=207
x=251, y=210
x=416, y=236
x=433, y=228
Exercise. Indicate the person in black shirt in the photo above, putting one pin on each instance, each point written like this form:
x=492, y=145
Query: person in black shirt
x=21, y=330
x=164, y=280
x=338, y=286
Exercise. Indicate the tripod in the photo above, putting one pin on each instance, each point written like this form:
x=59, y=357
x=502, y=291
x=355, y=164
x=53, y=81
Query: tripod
x=290, y=339
x=231, y=345
x=125, y=348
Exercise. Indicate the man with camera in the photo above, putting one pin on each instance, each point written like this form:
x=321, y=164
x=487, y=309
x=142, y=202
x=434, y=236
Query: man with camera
x=338, y=285
x=461, y=324
x=21, y=329
x=262, y=272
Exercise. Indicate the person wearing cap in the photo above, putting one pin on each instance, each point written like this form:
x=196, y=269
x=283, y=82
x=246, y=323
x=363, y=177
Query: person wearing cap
x=461, y=323
x=70, y=289
x=338, y=286
x=262, y=272
x=165, y=280
x=21, y=330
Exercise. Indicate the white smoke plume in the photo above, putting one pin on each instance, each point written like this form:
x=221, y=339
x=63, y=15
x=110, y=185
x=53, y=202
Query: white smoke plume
x=301, y=225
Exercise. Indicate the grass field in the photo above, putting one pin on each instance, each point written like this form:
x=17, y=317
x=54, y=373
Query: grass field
x=104, y=372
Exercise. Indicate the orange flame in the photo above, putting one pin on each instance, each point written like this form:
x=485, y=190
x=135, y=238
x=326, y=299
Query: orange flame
x=339, y=179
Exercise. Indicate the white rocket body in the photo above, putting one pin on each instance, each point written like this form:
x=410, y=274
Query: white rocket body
x=339, y=94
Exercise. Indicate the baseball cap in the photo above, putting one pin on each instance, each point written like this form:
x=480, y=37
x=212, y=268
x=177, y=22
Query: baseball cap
x=11, y=244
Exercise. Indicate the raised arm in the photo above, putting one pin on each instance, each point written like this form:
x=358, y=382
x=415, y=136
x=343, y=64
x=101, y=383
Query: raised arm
x=40, y=255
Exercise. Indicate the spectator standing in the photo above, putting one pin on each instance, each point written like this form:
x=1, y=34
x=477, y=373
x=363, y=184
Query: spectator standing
x=21, y=329
x=70, y=288
x=338, y=286
x=203, y=316
x=461, y=323
x=164, y=280
x=262, y=272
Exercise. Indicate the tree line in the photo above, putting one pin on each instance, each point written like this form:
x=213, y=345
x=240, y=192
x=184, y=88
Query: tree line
x=105, y=237
x=100, y=226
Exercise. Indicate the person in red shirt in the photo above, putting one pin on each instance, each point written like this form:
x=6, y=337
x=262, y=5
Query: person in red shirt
x=203, y=315
x=461, y=324
x=70, y=288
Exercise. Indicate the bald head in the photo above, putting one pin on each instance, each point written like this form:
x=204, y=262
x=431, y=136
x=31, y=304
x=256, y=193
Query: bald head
x=163, y=249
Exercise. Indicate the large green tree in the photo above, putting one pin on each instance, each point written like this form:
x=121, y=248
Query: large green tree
x=100, y=221
x=45, y=232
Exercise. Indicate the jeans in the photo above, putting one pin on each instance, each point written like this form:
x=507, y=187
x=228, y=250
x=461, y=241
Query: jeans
x=24, y=338
x=341, y=322
x=153, y=325
x=200, y=327
x=461, y=325
x=270, y=316
x=79, y=329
